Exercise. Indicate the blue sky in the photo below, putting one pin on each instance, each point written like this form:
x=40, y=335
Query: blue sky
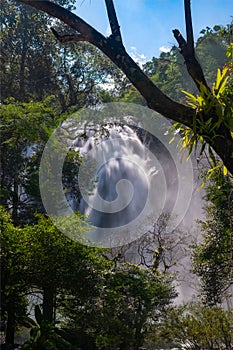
x=147, y=25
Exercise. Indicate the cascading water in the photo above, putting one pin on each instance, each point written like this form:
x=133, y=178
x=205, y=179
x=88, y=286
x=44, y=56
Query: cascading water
x=128, y=177
x=127, y=186
x=117, y=191
x=121, y=187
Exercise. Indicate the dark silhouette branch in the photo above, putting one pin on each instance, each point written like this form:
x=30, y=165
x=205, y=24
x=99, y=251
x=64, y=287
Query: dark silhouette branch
x=187, y=49
x=222, y=143
x=193, y=66
x=116, y=33
x=189, y=25
x=155, y=98
x=68, y=38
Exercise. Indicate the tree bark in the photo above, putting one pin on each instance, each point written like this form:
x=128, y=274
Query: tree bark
x=222, y=143
x=187, y=49
x=22, y=67
x=113, y=20
x=15, y=198
x=22, y=72
x=193, y=66
x=48, y=304
x=10, y=325
x=155, y=98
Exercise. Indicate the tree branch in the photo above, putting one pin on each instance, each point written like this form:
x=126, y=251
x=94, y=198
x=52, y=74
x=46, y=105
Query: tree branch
x=193, y=66
x=155, y=98
x=116, y=33
x=88, y=32
x=68, y=38
x=189, y=25
x=187, y=49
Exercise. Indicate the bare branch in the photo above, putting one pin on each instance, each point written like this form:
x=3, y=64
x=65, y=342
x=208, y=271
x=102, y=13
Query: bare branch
x=192, y=64
x=68, y=38
x=155, y=98
x=187, y=49
x=179, y=38
x=222, y=143
x=89, y=33
x=116, y=33
x=189, y=26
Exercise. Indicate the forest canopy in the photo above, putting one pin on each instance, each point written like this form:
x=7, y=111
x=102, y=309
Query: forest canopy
x=208, y=121
x=57, y=293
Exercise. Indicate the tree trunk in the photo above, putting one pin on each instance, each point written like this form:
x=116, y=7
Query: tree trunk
x=22, y=65
x=15, y=199
x=222, y=143
x=10, y=325
x=22, y=74
x=48, y=304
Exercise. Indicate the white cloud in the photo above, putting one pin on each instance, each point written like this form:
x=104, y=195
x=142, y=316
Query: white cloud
x=165, y=49
x=140, y=59
x=108, y=85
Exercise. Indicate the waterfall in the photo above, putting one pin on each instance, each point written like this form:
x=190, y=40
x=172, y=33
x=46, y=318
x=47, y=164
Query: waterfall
x=122, y=185
x=131, y=172
x=129, y=176
x=127, y=180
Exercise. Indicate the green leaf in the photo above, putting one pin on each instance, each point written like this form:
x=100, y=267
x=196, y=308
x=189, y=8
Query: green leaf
x=38, y=315
x=225, y=171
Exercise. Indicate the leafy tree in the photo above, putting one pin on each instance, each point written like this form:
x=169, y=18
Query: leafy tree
x=217, y=134
x=135, y=296
x=118, y=314
x=44, y=336
x=82, y=71
x=219, y=100
x=15, y=269
x=212, y=259
x=39, y=259
x=171, y=76
x=195, y=327
x=25, y=129
x=61, y=263
x=33, y=69
x=211, y=49
x=27, y=64
x=168, y=71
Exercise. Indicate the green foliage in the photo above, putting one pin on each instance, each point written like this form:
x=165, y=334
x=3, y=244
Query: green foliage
x=216, y=106
x=43, y=336
x=39, y=258
x=14, y=272
x=18, y=118
x=25, y=127
x=133, y=96
x=170, y=75
x=107, y=305
x=14, y=255
x=211, y=48
x=195, y=327
x=28, y=53
x=208, y=101
x=119, y=312
x=34, y=65
x=212, y=259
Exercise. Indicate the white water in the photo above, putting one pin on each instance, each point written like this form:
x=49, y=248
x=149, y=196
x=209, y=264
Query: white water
x=124, y=178
x=127, y=182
